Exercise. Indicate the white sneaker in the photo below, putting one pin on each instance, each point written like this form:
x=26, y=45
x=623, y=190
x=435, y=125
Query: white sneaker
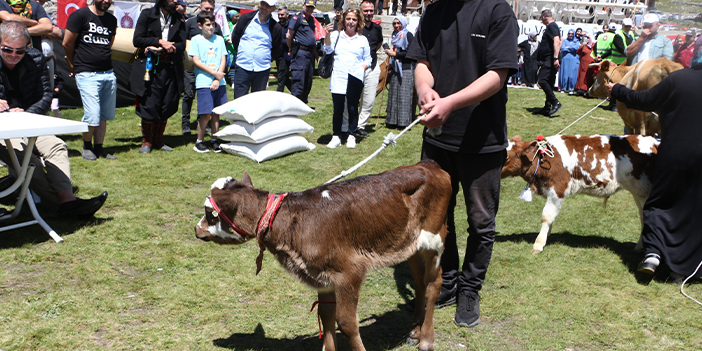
x=351, y=142
x=334, y=143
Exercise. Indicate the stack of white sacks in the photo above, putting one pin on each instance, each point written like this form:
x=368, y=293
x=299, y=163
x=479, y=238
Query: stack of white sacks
x=266, y=125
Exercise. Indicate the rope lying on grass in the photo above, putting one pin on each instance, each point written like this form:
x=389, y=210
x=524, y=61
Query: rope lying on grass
x=390, y=139
x=583, y=116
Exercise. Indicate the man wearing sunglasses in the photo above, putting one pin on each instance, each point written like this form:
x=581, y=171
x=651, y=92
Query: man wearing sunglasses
x=650, y=44
x=24, y=86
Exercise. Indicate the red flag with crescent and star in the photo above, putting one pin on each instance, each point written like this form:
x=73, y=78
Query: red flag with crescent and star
x=65, y=8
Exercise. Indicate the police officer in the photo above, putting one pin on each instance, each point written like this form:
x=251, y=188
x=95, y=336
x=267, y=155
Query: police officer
x=283, y=63
x=303, y=50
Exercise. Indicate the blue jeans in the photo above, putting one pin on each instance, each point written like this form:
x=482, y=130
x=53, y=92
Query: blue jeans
x=98, y=90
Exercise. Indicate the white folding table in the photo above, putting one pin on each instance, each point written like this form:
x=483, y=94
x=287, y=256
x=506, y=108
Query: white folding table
x=14, y=125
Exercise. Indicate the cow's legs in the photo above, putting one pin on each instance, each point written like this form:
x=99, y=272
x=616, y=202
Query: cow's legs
x=416, y=263
x=640, y=123
x=548, y=215
x=432, y=280
x=327, y=312
x=640, y=201
x=346, y=315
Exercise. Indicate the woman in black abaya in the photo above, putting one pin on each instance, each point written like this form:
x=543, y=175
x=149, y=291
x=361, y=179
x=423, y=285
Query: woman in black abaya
x=672, y=230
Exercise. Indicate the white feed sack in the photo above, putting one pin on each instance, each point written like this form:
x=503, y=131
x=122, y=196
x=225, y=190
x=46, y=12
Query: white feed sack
x=270, y=128
x=255, y=107
x=271, y=149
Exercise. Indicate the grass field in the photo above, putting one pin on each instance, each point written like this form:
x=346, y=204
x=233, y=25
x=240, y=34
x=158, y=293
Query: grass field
x=136, y=278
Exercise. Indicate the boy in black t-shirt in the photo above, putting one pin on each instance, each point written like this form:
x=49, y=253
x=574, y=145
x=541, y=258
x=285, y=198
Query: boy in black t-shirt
x=462, y=67
x=90, y=33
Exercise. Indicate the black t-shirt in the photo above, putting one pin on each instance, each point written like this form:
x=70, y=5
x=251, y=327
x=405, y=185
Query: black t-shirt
x=92, y=48
x=545, y=50
x=12, y=88
x=374, y=34
x=462, y=40
x=192, y=29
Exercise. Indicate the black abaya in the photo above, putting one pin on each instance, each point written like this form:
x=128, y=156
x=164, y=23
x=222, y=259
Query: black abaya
x=673, y=212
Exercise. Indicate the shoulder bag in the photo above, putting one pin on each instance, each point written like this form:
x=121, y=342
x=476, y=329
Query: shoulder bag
x=326, y=63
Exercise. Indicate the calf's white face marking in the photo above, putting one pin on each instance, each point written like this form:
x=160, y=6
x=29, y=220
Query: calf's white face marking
x=220, y=183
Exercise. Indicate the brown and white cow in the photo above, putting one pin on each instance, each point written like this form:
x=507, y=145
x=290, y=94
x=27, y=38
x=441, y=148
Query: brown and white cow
x=641, y=76
x=596, y=165
x=330, y=236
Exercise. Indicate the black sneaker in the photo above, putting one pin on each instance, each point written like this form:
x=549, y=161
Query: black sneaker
x=215, y=146
x=468, y=309
x=544, y=111
x=201, y=148
x=361, y=133
x=557, y=106
x=186, y=129
x=649, y=264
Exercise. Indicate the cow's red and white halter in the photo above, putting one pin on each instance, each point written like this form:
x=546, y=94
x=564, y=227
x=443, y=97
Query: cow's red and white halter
x=264, y=224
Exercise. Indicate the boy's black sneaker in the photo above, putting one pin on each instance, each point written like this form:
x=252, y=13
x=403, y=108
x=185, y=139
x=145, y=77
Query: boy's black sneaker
x=468, y=309
x=215, y=146
x=201, y=148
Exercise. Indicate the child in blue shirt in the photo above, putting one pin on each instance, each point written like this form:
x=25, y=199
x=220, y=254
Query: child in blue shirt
x=210, y=60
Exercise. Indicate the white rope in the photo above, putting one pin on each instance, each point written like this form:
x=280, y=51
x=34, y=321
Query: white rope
x=583, y=116
x=685, y=282
x=390, y=139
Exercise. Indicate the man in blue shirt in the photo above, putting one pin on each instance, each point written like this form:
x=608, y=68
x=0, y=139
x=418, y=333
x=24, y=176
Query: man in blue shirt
x=258, y=40
x=303, y=48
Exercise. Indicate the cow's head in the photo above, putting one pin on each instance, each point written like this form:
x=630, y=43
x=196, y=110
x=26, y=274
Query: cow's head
x=603, y=76
x=520, y=155
x=227, y=197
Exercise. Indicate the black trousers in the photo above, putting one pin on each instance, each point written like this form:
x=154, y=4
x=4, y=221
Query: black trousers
x=188, y=95
x=404, y=6
x=160, y=100
x=283, y=78
x=479, y=176
x=352, y=98
x=302, y=71
x=547, y=80
x=245, y=80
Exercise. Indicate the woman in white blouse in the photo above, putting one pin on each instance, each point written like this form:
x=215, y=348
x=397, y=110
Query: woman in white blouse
x=351, y=58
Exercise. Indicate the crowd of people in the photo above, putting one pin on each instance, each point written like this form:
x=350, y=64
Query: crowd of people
x=571, y=56
x=464, y=104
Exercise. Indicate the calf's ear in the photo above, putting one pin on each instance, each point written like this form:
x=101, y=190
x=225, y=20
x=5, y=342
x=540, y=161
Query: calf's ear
x=516, y=138
x=246, y=179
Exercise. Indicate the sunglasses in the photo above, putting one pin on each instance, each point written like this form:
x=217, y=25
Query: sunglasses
x=9, y=50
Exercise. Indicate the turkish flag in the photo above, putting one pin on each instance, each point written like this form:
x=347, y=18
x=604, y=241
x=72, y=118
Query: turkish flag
x=65, y=8
x=319, y=31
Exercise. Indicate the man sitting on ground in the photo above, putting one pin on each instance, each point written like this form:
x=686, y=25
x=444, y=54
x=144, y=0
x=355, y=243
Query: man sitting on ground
x=24, y=86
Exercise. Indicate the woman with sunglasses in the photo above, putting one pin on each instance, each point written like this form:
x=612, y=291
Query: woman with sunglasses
x=351, y=59
x=400, y=94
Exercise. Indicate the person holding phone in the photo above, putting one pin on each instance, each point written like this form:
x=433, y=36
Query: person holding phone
x=303, y=50
x=374, y=33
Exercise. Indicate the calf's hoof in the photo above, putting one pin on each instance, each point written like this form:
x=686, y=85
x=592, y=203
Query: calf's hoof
x=412, y=341
x=536, y=251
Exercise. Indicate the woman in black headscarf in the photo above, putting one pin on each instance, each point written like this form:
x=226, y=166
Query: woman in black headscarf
x=672, y=220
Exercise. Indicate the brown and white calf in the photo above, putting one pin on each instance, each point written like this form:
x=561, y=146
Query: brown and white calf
x=595, y=165
x=330, y=236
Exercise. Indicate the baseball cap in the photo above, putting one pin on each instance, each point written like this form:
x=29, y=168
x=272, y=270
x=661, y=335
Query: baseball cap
x=690, y=32
x=613, y=26
x=182, y=3
x=650, y=18
x=270, y=2
x=628, y=22
x=312, y=3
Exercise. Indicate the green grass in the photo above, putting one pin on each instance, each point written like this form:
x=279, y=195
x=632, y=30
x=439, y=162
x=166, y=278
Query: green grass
x=136, y=278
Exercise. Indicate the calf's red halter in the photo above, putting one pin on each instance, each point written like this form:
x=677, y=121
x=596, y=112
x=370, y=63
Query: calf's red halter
x=264, y=224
